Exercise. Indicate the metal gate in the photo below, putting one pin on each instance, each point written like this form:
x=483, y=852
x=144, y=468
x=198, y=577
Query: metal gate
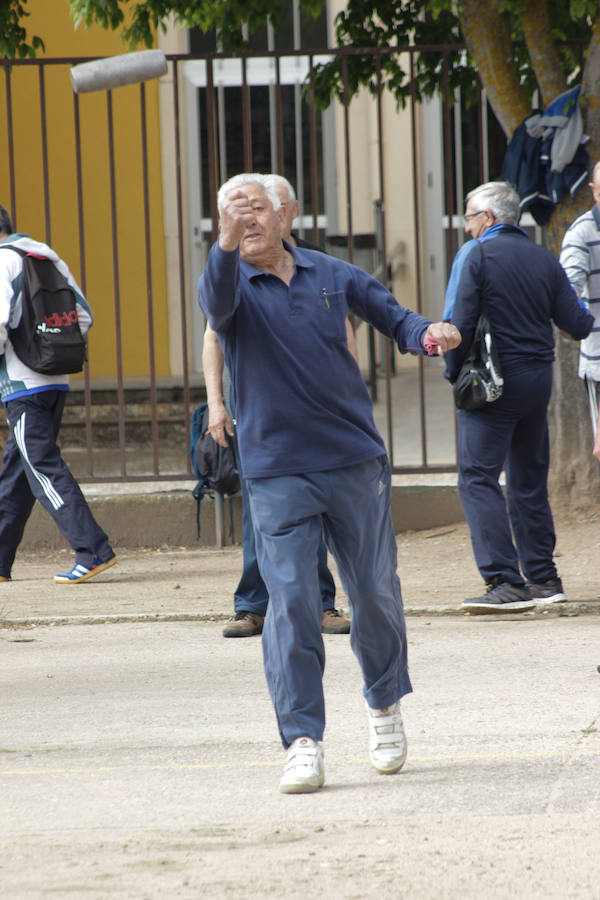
x=208, y=118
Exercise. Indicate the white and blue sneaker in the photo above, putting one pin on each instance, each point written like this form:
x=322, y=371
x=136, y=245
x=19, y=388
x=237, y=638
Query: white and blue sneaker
x=82, y=573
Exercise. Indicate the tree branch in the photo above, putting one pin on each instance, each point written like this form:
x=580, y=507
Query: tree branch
x=545, y=60
x=486, y=32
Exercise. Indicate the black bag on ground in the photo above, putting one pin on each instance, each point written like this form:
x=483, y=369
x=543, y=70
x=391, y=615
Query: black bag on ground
x=48, y=338
x=479, y=381
x=215, y=466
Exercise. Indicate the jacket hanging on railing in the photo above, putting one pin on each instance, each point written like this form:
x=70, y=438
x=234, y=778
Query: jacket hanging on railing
x=545, y=157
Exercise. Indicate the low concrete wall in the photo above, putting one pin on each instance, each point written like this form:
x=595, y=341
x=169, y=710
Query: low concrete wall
x=141, y=520
x=169, y=518
x=417, y=507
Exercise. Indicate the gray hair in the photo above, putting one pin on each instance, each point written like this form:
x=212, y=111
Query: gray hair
x=249, y=178
x=283, y=182
x=500, y=198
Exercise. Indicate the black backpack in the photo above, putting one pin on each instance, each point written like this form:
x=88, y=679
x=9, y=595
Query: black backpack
x=215, y=466
x=48, y=338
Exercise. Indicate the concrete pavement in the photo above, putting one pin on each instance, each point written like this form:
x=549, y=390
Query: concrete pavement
x=142, y=761
x=139, y=755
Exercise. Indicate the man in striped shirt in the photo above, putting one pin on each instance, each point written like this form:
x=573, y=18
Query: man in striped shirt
x=580, y=258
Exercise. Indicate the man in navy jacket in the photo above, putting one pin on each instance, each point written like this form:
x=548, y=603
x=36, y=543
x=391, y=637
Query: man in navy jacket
x=526, y=290
x=313, y=461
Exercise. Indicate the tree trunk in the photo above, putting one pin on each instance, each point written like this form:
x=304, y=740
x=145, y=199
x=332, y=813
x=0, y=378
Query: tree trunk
x=574, y=480
x=574, y=471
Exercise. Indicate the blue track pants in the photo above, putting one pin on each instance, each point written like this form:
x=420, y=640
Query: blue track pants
x=33, y=469
x=352, y=506
x=251, y=593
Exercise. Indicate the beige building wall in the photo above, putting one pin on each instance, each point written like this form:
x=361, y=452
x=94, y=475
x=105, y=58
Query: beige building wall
x=365, y=180
x=399, y=200
x=398, y=185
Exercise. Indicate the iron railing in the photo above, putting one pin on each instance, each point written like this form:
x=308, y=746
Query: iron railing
x=113, y=443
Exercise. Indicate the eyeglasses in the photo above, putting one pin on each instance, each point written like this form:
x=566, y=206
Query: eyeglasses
x=472, y=215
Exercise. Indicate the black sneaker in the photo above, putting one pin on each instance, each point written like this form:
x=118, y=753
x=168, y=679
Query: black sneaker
x=547, y=592
x=503, y=597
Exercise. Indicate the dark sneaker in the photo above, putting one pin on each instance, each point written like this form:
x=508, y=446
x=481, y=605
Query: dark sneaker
x=547, y=592
x=244, y=624
x=502, y=597
x=334, y=622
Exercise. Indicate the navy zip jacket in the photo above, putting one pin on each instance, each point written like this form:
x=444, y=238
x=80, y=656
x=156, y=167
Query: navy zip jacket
x=526, y=290
x=301, y=403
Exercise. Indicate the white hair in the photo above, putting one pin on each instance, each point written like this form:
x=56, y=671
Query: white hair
x=249, y=178
x=500, y=198
x=283, y=182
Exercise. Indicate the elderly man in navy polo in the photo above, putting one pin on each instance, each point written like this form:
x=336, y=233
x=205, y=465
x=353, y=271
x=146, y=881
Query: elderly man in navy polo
x=314, y=462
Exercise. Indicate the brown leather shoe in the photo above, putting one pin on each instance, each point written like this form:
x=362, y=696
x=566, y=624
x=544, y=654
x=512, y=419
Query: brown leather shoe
x=4, y=578
x=244, y=624
x=334, y=622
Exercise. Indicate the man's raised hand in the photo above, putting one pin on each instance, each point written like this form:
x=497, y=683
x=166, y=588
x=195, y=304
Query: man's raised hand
x=236, y=215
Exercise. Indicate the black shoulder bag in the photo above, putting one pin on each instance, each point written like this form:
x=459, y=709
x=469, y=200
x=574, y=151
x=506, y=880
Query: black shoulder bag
x=479, y=381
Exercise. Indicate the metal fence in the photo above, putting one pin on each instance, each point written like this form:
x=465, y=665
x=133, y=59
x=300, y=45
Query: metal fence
x=218, y=116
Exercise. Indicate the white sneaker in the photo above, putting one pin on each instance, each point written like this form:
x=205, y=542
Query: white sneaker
x=387, y=745
x=304, y=771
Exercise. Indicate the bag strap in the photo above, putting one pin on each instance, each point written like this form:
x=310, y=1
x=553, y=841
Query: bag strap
x=483, y=268
x=231, y=523
x=18, y=250
x=22, y=253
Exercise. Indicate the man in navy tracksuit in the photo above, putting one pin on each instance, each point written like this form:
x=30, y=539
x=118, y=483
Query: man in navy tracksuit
x=313, y=462
x=526, y=290
x=32, y=466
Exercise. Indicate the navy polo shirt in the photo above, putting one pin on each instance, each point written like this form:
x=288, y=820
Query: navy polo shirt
x=301, y=403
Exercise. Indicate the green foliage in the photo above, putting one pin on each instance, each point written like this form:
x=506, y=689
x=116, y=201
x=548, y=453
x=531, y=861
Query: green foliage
x=583, y=10
x=385, y=24
x=394, y=25
x=107, y=13
x=14, y=40
x=147, y=16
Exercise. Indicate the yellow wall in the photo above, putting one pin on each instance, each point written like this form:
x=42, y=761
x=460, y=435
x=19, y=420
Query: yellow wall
x=57, y=222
